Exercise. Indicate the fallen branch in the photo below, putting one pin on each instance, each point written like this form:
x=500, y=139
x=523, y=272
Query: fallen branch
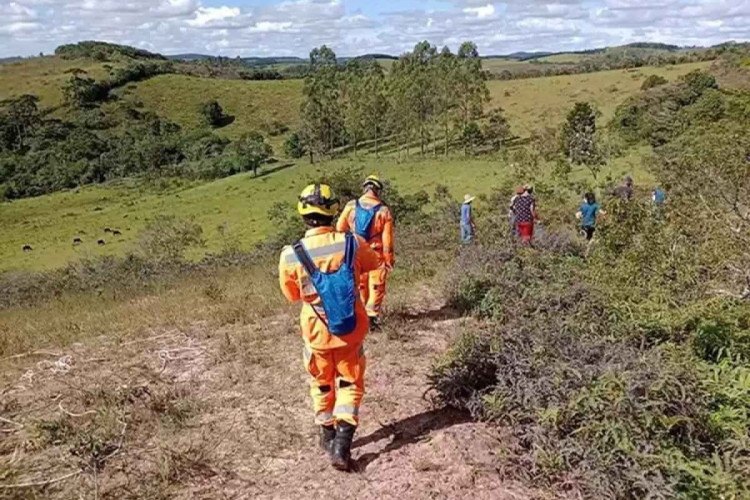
x=8, y=421
x=74, y=415
x=32, y=353
x=35, y=484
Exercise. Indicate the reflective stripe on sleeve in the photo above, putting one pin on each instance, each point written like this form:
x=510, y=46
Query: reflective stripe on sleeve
x=338, y=247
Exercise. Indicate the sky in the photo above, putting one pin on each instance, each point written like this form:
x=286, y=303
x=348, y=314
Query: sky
x=356, y=27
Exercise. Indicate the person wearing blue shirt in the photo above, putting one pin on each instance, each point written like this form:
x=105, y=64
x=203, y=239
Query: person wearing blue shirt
x=659, y=197
x=588, y=213
x=467, y=220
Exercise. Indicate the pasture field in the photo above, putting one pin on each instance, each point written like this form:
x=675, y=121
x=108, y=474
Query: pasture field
x=239, y=204
x=236, y=207
x=44, y=77
x=530, y=103
x=534, y=103
x=253, y=104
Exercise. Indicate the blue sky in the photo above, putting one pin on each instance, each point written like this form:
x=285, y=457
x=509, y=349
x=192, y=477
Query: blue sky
x=352, y=27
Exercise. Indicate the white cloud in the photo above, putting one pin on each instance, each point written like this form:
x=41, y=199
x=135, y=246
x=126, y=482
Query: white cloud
x=293, y=27
x=270, y=26
x=481, y=12
x=206, y=16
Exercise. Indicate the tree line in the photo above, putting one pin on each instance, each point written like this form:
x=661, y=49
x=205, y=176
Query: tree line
x=430, y=99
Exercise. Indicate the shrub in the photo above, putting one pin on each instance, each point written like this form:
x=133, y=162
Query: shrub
x=213, y=114
x=653, y=81
x=595, y=413
x=294, y=146
x=167, y=239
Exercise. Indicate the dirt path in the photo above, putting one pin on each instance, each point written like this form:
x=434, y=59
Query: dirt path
x=225, y=414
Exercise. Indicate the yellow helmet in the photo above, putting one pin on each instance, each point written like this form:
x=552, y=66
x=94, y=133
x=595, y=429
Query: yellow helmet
x=318, y=199
x=374, y=181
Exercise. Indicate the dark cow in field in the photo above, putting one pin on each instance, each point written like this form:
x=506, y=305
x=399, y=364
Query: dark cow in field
x=77, y=241
x=107, y=230
x=116, y=232
x=101, y=243
x=27, y=248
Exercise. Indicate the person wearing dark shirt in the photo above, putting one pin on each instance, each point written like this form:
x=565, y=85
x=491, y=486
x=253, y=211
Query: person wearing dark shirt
x=524, y=212
x=625, y=190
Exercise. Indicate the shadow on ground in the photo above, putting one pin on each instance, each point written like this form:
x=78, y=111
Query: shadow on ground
x=408, y=431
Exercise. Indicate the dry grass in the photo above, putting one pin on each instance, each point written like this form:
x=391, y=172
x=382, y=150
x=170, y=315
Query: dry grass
x=535, y=103
x=200, y=410
x=233, y=296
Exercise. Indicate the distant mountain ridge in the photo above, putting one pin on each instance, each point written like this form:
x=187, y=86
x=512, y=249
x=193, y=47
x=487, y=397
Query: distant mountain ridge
x=104, y=50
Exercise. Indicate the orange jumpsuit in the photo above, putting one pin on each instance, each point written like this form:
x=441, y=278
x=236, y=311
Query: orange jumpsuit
x=373, y=284
x=336, y=364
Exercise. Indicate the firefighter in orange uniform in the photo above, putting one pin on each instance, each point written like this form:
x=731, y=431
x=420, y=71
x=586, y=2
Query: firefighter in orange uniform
x=323, y=270
x=369, y=218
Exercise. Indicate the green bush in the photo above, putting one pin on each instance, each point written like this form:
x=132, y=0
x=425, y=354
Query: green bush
x=653, y=81
x=167, y=239
x=585, y=397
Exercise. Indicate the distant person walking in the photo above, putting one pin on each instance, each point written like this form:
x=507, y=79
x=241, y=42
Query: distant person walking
x=625, y=190
x=588, y=213
x=525, y=214
x=468, y=227
x=658, y=197
x=511, y=215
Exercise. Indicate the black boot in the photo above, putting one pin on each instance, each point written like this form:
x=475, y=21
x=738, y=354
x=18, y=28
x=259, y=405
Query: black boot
x=327, y=435
x=341, y=453
x=375, y=325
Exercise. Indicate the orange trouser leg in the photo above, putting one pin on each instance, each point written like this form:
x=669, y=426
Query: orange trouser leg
x=322, y=369
x=364, y=287
x=376, y=291
x=350, y=369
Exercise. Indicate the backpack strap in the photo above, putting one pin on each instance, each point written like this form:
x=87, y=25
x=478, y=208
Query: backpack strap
x=304, y=258
x=351, y=250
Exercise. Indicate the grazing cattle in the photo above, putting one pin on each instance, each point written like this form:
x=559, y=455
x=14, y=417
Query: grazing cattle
x=27, y=248
x=101, y=243
x=77, y=241
x=116, y=232
x=107, y=230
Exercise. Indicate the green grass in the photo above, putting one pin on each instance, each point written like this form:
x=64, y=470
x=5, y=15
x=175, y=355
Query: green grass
x=253, y=104
x=44, y=77
x=532, y=103
x=50, y=223
x=239, y=203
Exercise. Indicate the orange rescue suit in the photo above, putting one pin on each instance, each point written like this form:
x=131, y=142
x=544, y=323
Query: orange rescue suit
x=336, y=364
x=373, y=283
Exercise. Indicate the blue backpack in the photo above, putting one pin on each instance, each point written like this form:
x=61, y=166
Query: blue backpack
x=337, y=290
x=363, y=218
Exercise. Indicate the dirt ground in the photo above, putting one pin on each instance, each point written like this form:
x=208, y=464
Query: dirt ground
x=196, y=413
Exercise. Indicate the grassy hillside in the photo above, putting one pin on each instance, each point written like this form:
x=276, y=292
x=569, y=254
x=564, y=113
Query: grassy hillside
x=253, y=104
x=239, y=204
x=562, y=58
x=50, y=223
x=44, y=77
x=534, y=103
x=530, y=104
